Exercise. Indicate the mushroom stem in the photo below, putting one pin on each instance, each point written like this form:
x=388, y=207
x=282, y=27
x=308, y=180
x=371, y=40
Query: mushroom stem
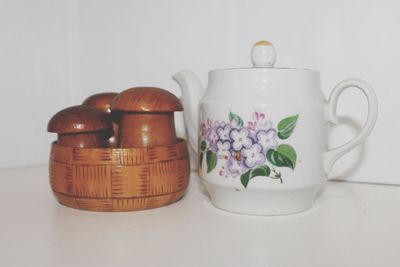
x=113, y=140
x=147, y=129
x=83, y=140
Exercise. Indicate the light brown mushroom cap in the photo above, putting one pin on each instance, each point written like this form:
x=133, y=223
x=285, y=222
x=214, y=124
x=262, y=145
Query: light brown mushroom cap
x=79, y=119
x=146, y=99
x=101, y=101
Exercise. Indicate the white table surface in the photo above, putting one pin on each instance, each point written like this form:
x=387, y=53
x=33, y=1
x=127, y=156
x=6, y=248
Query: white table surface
x=350, y=225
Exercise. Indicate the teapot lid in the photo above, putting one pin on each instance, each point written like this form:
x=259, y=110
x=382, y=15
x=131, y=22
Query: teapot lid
x=263, y=57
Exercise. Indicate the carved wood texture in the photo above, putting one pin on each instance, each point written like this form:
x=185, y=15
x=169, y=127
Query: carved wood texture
x=119, y=179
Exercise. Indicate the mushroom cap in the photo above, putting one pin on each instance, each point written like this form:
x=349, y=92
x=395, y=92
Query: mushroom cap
x=146, y=99
x=101, y=101
x=79, y=119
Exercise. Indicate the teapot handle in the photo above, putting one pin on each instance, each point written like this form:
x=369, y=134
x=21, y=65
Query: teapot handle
x=331, y=155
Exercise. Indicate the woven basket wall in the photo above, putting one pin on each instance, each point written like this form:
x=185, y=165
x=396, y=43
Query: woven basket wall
x=119, y=179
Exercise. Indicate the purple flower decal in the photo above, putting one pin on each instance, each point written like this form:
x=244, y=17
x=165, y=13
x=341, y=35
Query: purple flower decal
x=235, y=167
x=206, y=128
x=265, y=125
x=234, y=125
x=223, y=150
x=213, y=138
x=219, y=124
x=223, y=132
x=267, y=139
x=240, y=139
x=259, y=122
x=253, y=156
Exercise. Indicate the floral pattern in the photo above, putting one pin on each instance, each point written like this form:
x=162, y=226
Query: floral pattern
x=253, y=156
x=267, y=139
x=223, y=149
x=247, y=150
x=240, y=139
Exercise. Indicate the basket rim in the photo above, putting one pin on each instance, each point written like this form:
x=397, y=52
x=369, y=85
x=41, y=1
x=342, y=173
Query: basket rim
x=180, y=142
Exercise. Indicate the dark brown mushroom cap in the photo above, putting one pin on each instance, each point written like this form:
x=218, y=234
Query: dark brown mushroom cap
x=101, y=101
x=146, y=99
x=79, y=119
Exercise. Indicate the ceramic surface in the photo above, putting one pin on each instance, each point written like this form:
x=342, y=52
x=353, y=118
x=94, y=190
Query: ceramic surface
x=263, y=133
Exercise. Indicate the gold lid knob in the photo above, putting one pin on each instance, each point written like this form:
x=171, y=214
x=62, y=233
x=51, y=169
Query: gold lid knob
x=263, y=54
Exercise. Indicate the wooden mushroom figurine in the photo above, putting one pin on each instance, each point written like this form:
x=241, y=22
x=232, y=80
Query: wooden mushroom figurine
x=103, y=102
x=147, y=117
x=81, y=126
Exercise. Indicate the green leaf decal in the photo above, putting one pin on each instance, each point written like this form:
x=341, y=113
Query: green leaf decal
x=289, y=152
x=259, y=171
x=203, y=145
x=245, y=178
x=211, y=160
x=236, y=118
x=286, y=126
x=283, y=156
x=201, y=156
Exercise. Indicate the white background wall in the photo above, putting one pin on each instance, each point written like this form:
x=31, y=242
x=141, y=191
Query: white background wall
x=59, y=52
x=34, y=77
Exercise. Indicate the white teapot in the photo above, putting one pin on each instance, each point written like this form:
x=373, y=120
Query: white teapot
x=261, y=133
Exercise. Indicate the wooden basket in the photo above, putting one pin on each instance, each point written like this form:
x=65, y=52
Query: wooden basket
x=119, y=179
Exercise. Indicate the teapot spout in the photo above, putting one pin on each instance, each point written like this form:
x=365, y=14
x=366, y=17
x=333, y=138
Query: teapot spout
x=192, y=92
